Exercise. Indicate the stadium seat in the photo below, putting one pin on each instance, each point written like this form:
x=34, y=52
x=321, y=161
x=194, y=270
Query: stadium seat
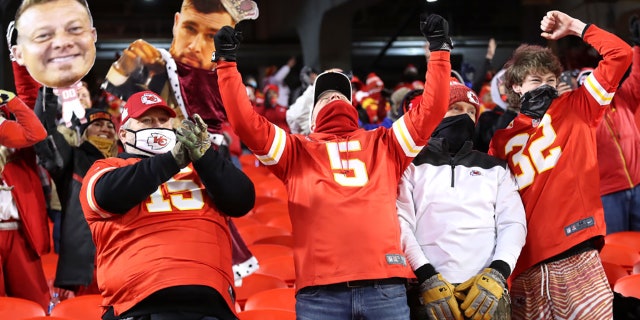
x=264, y=215
x=17, y=308
x=267, y=251
x=271, y=187
x=283, y=240
x=625, y=238
x=251, y=234
x=256, y=283
x=621, y=255
x=280, y=298
x=46, y=318
x=281, y=267
x=614, y=272
x=267, y=314
x=628, y=286
x=245, y=221
x=86, y=307
x=281, y=221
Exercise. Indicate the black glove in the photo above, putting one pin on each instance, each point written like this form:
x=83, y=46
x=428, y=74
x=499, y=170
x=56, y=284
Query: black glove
x=6, y=96
x=436, y=30
x=227, y=40
x=634, y=29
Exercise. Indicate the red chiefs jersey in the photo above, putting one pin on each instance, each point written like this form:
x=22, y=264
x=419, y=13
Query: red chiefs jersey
x=176, y=237
x=555, y=162
x=342, y=189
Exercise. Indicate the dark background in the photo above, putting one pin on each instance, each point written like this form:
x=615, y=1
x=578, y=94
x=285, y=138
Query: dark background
x=379, y=36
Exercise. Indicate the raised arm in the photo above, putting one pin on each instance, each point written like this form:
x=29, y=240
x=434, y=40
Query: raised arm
x=26, y=130
x=412, y=131
x=256, y=132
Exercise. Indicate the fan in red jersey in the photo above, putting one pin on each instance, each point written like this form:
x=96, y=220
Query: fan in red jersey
x=551, y=149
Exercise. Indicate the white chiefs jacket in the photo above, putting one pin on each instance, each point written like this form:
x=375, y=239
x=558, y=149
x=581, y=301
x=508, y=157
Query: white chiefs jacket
x=459, y=213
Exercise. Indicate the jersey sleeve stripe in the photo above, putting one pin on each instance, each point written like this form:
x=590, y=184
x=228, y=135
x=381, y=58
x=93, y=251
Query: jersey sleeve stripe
x=404, y=138
x=276, y=150
x=90, y=191
x=597, y=91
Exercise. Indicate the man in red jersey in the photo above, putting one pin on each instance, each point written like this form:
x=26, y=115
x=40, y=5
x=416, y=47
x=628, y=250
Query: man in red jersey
x=551, y=149
x=342, y=183
x=158, y=216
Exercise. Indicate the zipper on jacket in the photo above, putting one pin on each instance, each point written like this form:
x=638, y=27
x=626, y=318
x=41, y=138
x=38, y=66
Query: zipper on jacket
x=453, y=171
x=616, y=142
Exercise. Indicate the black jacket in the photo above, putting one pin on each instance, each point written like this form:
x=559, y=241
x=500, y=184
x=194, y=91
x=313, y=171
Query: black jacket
x=67, y=165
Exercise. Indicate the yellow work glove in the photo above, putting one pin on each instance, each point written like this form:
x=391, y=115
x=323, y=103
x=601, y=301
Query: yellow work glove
x=438, y=299
x=481, y=294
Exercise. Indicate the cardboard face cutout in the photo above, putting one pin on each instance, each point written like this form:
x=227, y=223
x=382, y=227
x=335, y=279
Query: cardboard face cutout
x=56, y=42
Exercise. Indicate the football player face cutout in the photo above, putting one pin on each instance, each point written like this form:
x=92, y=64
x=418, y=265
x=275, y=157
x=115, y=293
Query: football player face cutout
x=56, y=42
x=193, y=36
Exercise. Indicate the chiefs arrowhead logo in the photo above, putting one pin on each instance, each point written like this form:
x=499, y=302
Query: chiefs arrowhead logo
x=149, y=98
x=157, y=141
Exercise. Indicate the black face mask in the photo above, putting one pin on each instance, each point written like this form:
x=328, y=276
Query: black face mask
x=536, y=102
x=455, y=130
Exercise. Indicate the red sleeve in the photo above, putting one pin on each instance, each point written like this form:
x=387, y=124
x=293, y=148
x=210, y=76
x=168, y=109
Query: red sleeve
x=26, y=86
x=255, y=131
x=629, y=88
x=413, y=130
x=616, y=57
x=25, y=131
x=435, y=98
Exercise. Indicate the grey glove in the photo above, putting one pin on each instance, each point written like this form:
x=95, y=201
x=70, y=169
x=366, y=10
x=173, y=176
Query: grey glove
x=194, y=137
x=436, y=30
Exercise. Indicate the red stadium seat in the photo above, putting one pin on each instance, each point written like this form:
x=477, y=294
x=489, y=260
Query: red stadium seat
x=251, y=234
x=267, y=314
x=47, y=318
x=621, y=255
x=280, y=298
x=86, y=307
x=283, y=240
x=614, y=272
x=266, y=251
x=256, y=283
x=268, y=211
x=245, y=221
x=281, y=267
x=281, y=221
x=17, y=308
x=628, y=286
x=625, y=238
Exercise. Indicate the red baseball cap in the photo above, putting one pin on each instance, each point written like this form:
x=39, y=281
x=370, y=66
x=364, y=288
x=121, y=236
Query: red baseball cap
x=142, y=101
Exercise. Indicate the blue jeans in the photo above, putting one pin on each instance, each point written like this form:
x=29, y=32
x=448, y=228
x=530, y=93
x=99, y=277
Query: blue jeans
x=332, y=302
x=622, y=210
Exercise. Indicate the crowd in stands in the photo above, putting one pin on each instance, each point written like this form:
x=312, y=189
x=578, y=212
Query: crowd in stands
x=481, y=193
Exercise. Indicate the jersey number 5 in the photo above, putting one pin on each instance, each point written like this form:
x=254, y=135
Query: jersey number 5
x=351, y=172
x=175, y=194
x=540, y=156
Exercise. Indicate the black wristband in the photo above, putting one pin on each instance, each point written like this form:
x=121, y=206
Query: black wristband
x=501, y=267
x=425, y=272
x=585, y=30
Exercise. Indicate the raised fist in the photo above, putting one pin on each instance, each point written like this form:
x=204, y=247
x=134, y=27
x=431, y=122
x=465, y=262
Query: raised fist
x=227, y=40
x=436, y=30
x=137, y=54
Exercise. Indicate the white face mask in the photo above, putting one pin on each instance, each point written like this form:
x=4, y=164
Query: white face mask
x=152, y=141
